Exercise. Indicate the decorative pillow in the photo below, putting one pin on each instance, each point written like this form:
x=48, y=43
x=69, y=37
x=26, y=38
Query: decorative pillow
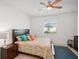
x=18, y=38
x=24, y=37
x=32, y=37
x=29, y=37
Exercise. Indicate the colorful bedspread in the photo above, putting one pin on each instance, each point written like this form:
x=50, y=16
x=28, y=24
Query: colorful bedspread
x=40, y=47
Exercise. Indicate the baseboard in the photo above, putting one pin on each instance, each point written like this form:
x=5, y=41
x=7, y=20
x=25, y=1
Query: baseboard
x=60, y=44
x=73, y=50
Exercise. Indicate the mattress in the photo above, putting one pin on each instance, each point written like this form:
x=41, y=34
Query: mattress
x=40, y=47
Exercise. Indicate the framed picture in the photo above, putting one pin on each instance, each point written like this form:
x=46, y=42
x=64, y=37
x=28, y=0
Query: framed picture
x=50, y=27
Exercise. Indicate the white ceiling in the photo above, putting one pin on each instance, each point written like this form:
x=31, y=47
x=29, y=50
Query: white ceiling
x=32, y=7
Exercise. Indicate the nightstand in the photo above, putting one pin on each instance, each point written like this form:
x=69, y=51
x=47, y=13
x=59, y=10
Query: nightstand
x=9, y=52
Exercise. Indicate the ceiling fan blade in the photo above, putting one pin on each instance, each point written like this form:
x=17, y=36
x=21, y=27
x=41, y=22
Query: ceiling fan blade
x=43, y=4
x=56, y=2
x=58, y=7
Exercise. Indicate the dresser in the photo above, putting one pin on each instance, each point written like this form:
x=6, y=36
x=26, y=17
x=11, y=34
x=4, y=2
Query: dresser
x=9, y=52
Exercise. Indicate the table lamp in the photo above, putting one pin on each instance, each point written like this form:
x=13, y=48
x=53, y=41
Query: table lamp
x=3, y=37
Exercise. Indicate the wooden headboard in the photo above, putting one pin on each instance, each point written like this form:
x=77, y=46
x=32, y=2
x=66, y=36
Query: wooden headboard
x=17, y=32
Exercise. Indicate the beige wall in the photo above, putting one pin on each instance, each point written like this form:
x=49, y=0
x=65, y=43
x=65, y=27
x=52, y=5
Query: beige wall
x=66, y=26
x=12, y=18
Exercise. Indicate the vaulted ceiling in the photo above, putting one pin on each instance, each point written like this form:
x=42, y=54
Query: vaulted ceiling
x=34, y=8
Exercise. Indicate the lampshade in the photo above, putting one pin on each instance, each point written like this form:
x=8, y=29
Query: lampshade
x=3, y=35
x=3, y=38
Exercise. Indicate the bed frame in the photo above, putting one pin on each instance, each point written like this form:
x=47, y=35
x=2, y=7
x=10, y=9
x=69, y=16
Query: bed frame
x=17, y=32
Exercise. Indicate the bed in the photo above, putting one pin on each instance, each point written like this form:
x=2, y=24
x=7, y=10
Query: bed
x=40, y=47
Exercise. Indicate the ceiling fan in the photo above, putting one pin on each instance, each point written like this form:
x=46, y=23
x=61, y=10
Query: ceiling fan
x=52, y=4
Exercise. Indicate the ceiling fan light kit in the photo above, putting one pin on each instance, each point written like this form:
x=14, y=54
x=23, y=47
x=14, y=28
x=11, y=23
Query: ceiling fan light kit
x=52, y=4
x=49, y=8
